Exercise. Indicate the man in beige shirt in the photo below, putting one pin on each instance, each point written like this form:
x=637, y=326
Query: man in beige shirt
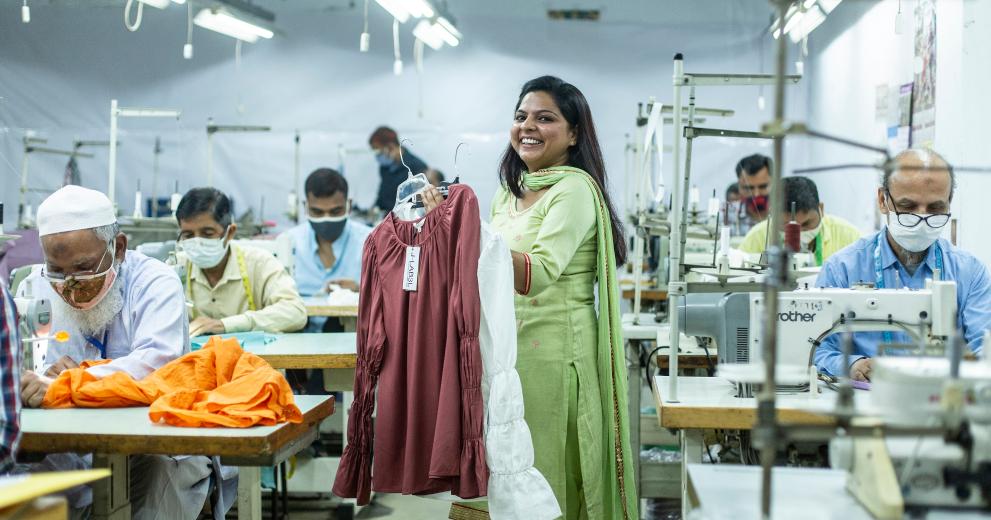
x=232, y=288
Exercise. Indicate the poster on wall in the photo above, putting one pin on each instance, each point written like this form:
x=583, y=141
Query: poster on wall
x=924, y=95
x=900, y=120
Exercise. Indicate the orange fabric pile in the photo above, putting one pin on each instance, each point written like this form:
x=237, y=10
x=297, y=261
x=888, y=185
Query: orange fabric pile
x=218, y=385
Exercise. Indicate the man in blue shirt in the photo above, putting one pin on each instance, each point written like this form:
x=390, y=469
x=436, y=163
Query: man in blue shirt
x=915, y=200
x=329, y=245
x=385, y=143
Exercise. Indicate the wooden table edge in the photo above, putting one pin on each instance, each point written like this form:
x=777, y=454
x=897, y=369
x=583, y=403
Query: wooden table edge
x=288, y=361
x=258, y=447
x=726, y=418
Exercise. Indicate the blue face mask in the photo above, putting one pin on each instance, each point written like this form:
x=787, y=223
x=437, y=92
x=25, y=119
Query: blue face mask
x=383, y=159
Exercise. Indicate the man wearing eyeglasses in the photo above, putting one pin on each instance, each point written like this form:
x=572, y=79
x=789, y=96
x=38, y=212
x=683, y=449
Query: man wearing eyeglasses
x=914, y=198
x=233, y=288
x=115, y=305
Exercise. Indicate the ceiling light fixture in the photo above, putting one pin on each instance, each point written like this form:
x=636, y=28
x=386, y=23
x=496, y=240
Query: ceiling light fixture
x=801, y=19
x=435, y=33
x=161, y=4
x=395, y=8
x=424, y=31
x=225, y=22
x=403, y=10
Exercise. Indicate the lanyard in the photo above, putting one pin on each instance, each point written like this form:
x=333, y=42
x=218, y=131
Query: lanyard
x=245, y=281
x=819, y=248
x=100, y=345
x=879, y=277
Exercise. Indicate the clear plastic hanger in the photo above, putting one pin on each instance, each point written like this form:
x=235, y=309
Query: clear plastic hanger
x=408, y=190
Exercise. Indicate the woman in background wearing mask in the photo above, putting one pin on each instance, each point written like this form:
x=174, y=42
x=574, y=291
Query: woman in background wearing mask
x=328, y=244
x=390, y=156
x=232, y=288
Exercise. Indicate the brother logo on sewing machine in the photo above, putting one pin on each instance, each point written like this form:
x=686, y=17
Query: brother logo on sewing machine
x=803, y=317
x=800, y=319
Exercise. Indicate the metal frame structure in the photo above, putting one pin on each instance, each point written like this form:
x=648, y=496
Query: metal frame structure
x=31, y=146
x=642, y=147
x=677, y=286
x=212, y=128
x=117, y=112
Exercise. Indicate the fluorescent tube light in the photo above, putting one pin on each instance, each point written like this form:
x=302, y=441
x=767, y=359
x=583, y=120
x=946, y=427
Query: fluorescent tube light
x=450, y=34
x=158, y=4
x=799, y=23
x=419, y=8
x=812, y=19
x=226, y=23
x=424, y=32
x=396, y=8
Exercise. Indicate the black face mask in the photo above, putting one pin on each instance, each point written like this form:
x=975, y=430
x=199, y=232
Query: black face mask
x=329, y=230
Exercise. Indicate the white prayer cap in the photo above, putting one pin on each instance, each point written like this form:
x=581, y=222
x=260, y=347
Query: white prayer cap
x=72, y=208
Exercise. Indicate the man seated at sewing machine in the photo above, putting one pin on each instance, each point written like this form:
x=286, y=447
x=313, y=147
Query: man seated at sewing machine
x=233, y=288
x=914, y=198
x=753, y=176
x=115, y=305
x=329, y=244
x=822, y=235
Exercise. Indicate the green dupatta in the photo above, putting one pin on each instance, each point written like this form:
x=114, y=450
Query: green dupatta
x=621, y=500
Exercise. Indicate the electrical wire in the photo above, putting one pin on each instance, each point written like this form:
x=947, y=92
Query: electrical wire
x=137, y=19
x=397, y=65
x=187, y=51
x=365, y=29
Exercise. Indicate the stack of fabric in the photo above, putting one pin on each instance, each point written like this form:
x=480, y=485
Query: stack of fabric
x=218, y=385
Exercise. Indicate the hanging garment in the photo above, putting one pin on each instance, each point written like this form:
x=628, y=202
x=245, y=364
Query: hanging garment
x=571, y=358
x=218, y=385
x=516, y=489
x=71, y=174
x=418, y=333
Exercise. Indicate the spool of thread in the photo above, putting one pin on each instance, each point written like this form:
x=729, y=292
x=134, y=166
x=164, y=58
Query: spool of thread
x=793, y=236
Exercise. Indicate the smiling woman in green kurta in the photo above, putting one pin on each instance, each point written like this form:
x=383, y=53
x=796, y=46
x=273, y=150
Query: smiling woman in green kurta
x=566, y=240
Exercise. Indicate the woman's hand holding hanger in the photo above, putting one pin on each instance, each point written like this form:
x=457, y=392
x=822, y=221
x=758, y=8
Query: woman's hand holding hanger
x=431, y=198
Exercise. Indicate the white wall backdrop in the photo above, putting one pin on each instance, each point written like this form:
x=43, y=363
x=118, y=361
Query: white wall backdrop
x=59, y=73
x=857, y=49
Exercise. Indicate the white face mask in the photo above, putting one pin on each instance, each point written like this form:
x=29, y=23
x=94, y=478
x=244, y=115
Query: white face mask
x=809, y=235
x=204, y=252
x=913, y=239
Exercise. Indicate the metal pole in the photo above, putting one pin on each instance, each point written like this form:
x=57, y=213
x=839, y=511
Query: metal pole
x=687, y=187
x=112, y=180
x=641, y=150
x=295, y=183
x=766, y=412
x=22, y=205
x=209, y=159
x=154, y=178
x=675, y=287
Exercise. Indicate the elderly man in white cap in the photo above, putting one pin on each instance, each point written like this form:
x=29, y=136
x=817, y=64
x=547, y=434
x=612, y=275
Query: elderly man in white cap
x=118, y=305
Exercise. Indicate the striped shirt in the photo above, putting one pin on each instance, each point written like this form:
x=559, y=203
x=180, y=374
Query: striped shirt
x=10, y=368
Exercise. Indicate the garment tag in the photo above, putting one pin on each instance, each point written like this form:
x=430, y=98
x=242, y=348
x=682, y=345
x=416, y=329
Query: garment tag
x=411, y=268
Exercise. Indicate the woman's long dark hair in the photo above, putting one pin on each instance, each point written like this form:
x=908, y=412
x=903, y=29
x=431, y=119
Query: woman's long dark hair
x=585, y=154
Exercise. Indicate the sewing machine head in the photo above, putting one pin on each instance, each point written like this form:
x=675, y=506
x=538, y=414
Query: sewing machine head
x=808, y=316
x=34, y=320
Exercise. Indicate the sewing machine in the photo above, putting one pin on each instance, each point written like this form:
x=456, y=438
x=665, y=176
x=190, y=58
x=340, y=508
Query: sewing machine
x=948, y=466
x=34, y=321
x=724, y=317
x=808, y=316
